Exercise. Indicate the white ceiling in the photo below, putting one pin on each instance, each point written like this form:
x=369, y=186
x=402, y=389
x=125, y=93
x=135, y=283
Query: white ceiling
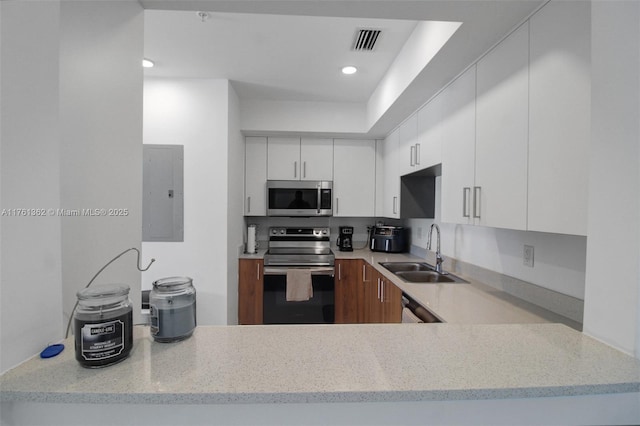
x=273, y=56
x=294, y=49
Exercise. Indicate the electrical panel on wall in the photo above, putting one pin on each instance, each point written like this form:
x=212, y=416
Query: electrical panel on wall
x=163, y=193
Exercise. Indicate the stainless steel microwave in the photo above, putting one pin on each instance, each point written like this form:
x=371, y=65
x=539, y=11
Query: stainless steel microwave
x=299, y=198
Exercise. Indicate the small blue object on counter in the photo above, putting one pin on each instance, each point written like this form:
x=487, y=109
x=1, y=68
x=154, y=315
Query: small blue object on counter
x=52, y=350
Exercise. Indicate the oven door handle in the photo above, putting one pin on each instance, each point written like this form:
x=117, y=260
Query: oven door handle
x=314, y=271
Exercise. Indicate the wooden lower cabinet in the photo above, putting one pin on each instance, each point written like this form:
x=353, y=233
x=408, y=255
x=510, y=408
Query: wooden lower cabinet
x=369, y=284
x=384, y=300
x=363, y=295
x=250, y=291
x=391, y=300
x=348, y=291
x=373, y=313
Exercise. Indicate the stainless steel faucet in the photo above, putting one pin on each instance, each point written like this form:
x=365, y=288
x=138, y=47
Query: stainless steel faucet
x=439, y=258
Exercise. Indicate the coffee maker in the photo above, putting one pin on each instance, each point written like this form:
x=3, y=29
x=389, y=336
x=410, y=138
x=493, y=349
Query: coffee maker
x=345, y=238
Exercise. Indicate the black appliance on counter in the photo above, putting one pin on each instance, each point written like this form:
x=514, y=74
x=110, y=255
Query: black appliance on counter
x=389, y=239
x=303, y=248
x=345, y=239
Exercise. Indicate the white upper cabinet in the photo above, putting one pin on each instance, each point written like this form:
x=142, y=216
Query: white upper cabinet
x=502, y=116
x=283, y=159
x=316, y=159
x=255, y=176
x=420, y=139
x=390, y=185
x=560, y=99
x=458, y=149
x=428, y=151
x=514, y=130
x=354, y=177
x=408, y=145
x=300, y=159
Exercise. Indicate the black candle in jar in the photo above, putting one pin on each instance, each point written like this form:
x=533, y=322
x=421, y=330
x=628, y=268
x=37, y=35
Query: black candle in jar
x=103, y=325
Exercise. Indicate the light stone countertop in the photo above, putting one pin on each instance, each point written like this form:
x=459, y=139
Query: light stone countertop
x=335, y=363
x=461, y=303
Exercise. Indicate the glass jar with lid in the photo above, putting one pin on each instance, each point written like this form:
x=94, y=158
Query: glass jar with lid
x=172, y=308
x=103, y=325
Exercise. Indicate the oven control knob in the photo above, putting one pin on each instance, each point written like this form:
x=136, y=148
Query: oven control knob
x=282, y=231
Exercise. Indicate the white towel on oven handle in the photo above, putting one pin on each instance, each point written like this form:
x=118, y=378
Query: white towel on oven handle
x=299, y=286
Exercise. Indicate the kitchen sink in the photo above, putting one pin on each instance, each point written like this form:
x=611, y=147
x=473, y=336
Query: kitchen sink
x=396, y=267
x=424, y=277
x=420, y=272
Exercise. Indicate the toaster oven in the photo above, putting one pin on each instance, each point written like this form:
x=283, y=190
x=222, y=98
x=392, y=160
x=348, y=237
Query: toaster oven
x=389, y=239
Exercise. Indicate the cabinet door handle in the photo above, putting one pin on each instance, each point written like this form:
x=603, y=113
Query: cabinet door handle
x=257, y=271
x=465, y=201
x=295, y=169
x=364, y=274
x=378, y=288
x=476, y=201
x=412, y=153
x=417, y=154
x=395, y=199
x=382, y=292
x=304, y=169
x=249, y=204
x=339, y=271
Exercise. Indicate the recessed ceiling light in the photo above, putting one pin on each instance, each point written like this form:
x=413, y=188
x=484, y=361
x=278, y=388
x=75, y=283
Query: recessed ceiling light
x=147, y=63
x=349, y=70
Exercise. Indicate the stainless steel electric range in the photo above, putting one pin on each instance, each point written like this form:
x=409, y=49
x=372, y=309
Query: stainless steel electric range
x=299, y=248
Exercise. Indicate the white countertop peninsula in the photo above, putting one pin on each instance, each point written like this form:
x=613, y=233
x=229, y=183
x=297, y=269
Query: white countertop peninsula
x=375, y=363
x=495, y=360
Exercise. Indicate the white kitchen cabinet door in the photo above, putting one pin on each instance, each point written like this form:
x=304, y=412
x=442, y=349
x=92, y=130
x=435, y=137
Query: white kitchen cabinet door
x=354, y=177
x=316, y=156
x=560, y=100
x=502, y=113
x=283, y=158
x=458, y=149
x=391, y=175
x=430, y=128
x=408, y=141
x=255, y=176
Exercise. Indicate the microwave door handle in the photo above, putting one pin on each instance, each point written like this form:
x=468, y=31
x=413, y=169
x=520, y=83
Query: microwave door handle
x=319, y=200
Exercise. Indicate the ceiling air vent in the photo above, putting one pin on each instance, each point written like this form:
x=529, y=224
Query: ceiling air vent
x=365, y=39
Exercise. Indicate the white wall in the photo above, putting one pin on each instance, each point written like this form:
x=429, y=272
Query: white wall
x=612, y=299
x=195, y=113
x=101, y=46
x=263, y=116
x=559, y=260
x=31, y=289
x=425, y=42
x=235, y=205
x=71, y=139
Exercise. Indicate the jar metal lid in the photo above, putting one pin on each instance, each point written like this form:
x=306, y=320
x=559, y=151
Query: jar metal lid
x=102, y=291
x=171, y=282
